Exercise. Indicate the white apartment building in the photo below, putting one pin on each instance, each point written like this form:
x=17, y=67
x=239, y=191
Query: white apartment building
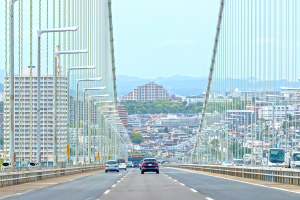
x=147, y=92
x=266, y=112
x=25, y=121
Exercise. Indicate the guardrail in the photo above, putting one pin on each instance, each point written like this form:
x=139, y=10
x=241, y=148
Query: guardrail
x=37, y=174
x=278, y=175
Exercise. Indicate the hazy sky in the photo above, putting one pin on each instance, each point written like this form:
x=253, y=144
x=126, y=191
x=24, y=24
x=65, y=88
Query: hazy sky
x=153, y=38
x=156, y=38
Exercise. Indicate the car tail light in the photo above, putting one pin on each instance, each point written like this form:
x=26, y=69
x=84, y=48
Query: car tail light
x=155, y=163
x=116, y=165
x=144, y=164
x=106, y=165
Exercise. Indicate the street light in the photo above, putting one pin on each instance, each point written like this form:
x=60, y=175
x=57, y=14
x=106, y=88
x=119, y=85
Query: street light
x=106, y=107
x=84, y=90
x=68, y=100
x=12, y=86
x=288, y=88
x=77, y=115
x=56, y=54
x=89, y=112
x=97, y=102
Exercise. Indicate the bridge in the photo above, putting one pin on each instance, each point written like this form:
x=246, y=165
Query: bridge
x=61, y=119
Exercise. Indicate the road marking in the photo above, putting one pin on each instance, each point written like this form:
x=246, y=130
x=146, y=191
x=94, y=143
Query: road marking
x=209, y=198
x=89, y=198
x=107, y=191
x=118, y=181
x=113, y=186
x=175, y=180
x=242, y=182
x=193, y=190
x=182, y=184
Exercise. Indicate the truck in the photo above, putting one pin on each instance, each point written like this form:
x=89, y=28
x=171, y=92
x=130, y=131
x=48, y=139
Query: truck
x=294, y=160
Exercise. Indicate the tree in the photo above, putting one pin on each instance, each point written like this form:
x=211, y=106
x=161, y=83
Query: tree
x=136, y=137
x=166, y=130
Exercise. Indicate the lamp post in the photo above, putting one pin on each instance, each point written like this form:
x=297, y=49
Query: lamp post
x=68, y=101
x=115, y=137
x=104, y=126
x=12, y=86
x=83, y=138
x=77, y=113
x=89, y=124
x=56, y=54
x=40, y=32
x=95, y=103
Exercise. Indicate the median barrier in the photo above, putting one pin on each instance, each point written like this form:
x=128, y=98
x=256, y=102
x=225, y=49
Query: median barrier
x=31, y=174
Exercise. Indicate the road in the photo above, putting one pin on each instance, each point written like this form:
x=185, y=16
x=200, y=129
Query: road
x=220, y=189
x=149, y=186
x=170, y=184
x=85, y=188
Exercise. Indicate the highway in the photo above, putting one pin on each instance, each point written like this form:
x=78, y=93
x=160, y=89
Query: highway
x=169, y=184
x=88, y=187
x=149, y=186
x=221, y=189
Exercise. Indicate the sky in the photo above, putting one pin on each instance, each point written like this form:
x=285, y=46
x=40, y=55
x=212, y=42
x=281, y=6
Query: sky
x=153, y=38
x=163, y=38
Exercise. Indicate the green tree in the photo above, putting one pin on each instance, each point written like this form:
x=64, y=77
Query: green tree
x=166, y=130
x=136, y=137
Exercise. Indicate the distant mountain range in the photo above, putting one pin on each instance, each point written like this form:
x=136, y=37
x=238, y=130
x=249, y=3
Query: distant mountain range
x=179, y=85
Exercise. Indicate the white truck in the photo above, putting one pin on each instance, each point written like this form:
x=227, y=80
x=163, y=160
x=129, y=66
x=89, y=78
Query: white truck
x=294, y=160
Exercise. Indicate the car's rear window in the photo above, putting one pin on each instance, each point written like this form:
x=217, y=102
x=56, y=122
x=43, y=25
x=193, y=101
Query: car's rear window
x=121, y=161
x=111, y=162
x=149, y=160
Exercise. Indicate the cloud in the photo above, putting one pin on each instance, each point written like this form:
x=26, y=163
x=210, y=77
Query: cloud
x=171, y=42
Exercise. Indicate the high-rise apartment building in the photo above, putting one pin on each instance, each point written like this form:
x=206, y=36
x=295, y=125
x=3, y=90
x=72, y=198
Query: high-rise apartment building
x=25, y=120
x=123, y=114
x=147, y=92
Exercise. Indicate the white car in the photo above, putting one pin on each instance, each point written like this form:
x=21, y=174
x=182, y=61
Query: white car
x=122, y=164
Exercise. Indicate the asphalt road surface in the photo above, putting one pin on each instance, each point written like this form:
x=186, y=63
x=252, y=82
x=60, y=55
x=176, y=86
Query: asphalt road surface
x=222, y=189
x=170, y=184
x=149, y=186
x=85, y=188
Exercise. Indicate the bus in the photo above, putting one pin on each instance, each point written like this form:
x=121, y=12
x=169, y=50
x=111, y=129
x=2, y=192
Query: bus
x=276, y=157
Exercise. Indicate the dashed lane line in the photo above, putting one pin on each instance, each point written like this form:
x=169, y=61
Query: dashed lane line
x=286, y=190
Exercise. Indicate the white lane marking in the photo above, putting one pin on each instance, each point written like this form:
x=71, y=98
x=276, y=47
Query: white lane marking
x=182, y=184
x=175, y=180
x=118, y=181
x=107, y=191
x=245, y=182
x=209, y=198
x=89, y=198
x=113, y=186
x=193, y=190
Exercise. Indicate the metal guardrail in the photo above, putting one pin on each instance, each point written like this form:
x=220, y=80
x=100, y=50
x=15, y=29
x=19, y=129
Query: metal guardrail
x=37, y=174
x=278, y=175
